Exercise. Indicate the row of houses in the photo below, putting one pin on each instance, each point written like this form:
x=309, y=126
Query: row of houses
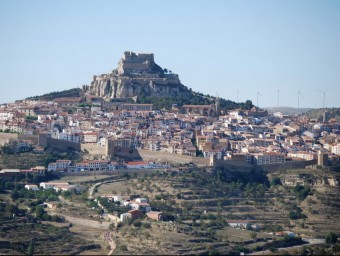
x=8, y=174
x=57, y=186
x=100, y=165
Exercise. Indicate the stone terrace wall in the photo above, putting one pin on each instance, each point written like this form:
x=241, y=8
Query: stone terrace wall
x=172, y=158
x=86, y=222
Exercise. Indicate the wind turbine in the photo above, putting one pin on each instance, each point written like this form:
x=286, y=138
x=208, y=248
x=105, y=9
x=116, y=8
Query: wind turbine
x=278, y=98
x=324, y=96
x=299, y=94
x=237, y=96
x=257, y=98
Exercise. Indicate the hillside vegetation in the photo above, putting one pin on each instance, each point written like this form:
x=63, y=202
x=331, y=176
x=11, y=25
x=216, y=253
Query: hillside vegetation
x=318, y=113
x=74, y=92
x=194, y=99
x=288, y=110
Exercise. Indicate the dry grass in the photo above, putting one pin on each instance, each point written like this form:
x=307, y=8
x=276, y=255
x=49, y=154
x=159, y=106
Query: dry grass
x=79, y=179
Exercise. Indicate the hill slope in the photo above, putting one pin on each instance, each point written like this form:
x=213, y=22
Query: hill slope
x=318, y=113
x=74, y=92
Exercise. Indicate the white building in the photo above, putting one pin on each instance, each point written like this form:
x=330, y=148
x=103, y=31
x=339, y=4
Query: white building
x=144, y=207
x=141, y=200
x=47, y=185
x=125, y=216
x=336, y=149
x=31, y=187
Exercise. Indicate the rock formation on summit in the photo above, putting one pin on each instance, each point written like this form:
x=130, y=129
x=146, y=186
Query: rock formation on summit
x=136, y=75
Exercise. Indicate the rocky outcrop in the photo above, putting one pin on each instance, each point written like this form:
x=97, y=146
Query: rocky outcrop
x=136, y=75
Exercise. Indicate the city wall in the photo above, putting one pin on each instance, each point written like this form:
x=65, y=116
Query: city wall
x=234, y=166
x=94, y=149
x=172, y=158
x=288, y=165
x=62, y=145
x=242, y=166
x=6, y=137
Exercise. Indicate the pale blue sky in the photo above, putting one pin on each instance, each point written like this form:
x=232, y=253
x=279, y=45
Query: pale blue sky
x=214, y=46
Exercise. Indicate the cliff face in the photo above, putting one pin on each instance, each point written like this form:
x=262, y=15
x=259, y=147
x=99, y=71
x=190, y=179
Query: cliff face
x=136, y=75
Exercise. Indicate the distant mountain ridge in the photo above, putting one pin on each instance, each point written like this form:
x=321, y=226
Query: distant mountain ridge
x=319, y=113
x=288, y=110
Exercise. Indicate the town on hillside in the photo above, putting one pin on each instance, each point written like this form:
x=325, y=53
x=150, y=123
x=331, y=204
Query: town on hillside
x=130, y=177
x=249, y=136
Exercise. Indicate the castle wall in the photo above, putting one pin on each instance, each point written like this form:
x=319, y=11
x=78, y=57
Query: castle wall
x=6, y=137
x=172, y=158
x=63, y=145
x=94, y=149
x=242, y=166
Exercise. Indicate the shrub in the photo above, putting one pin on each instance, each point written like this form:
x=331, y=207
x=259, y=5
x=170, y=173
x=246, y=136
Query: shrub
x=122, y=247
x=146, y=225
x=331, y=238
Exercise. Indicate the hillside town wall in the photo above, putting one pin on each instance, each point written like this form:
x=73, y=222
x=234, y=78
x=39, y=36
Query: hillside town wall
x=288, y=165
x=242, y=166
x=94, y=149
x=172, y=158
x=63, y=145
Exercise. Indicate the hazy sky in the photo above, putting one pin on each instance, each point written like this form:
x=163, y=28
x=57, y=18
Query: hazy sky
x=216, y=47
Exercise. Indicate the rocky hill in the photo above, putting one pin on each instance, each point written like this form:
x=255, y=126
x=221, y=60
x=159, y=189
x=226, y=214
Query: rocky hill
x=136, y=75
x=319, y=113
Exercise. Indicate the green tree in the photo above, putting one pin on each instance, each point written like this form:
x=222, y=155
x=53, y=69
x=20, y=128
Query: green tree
x=331, y=238
x=39, y=211
x=253, y=236
x=30, y=250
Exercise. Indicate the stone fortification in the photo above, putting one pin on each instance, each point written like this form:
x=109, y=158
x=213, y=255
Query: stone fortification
x=136, y=75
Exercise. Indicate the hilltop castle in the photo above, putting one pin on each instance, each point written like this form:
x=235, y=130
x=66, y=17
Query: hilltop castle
x=136, y=75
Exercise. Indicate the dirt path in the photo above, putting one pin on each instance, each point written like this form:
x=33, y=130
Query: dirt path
x=93, y=187
x=109, y=240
